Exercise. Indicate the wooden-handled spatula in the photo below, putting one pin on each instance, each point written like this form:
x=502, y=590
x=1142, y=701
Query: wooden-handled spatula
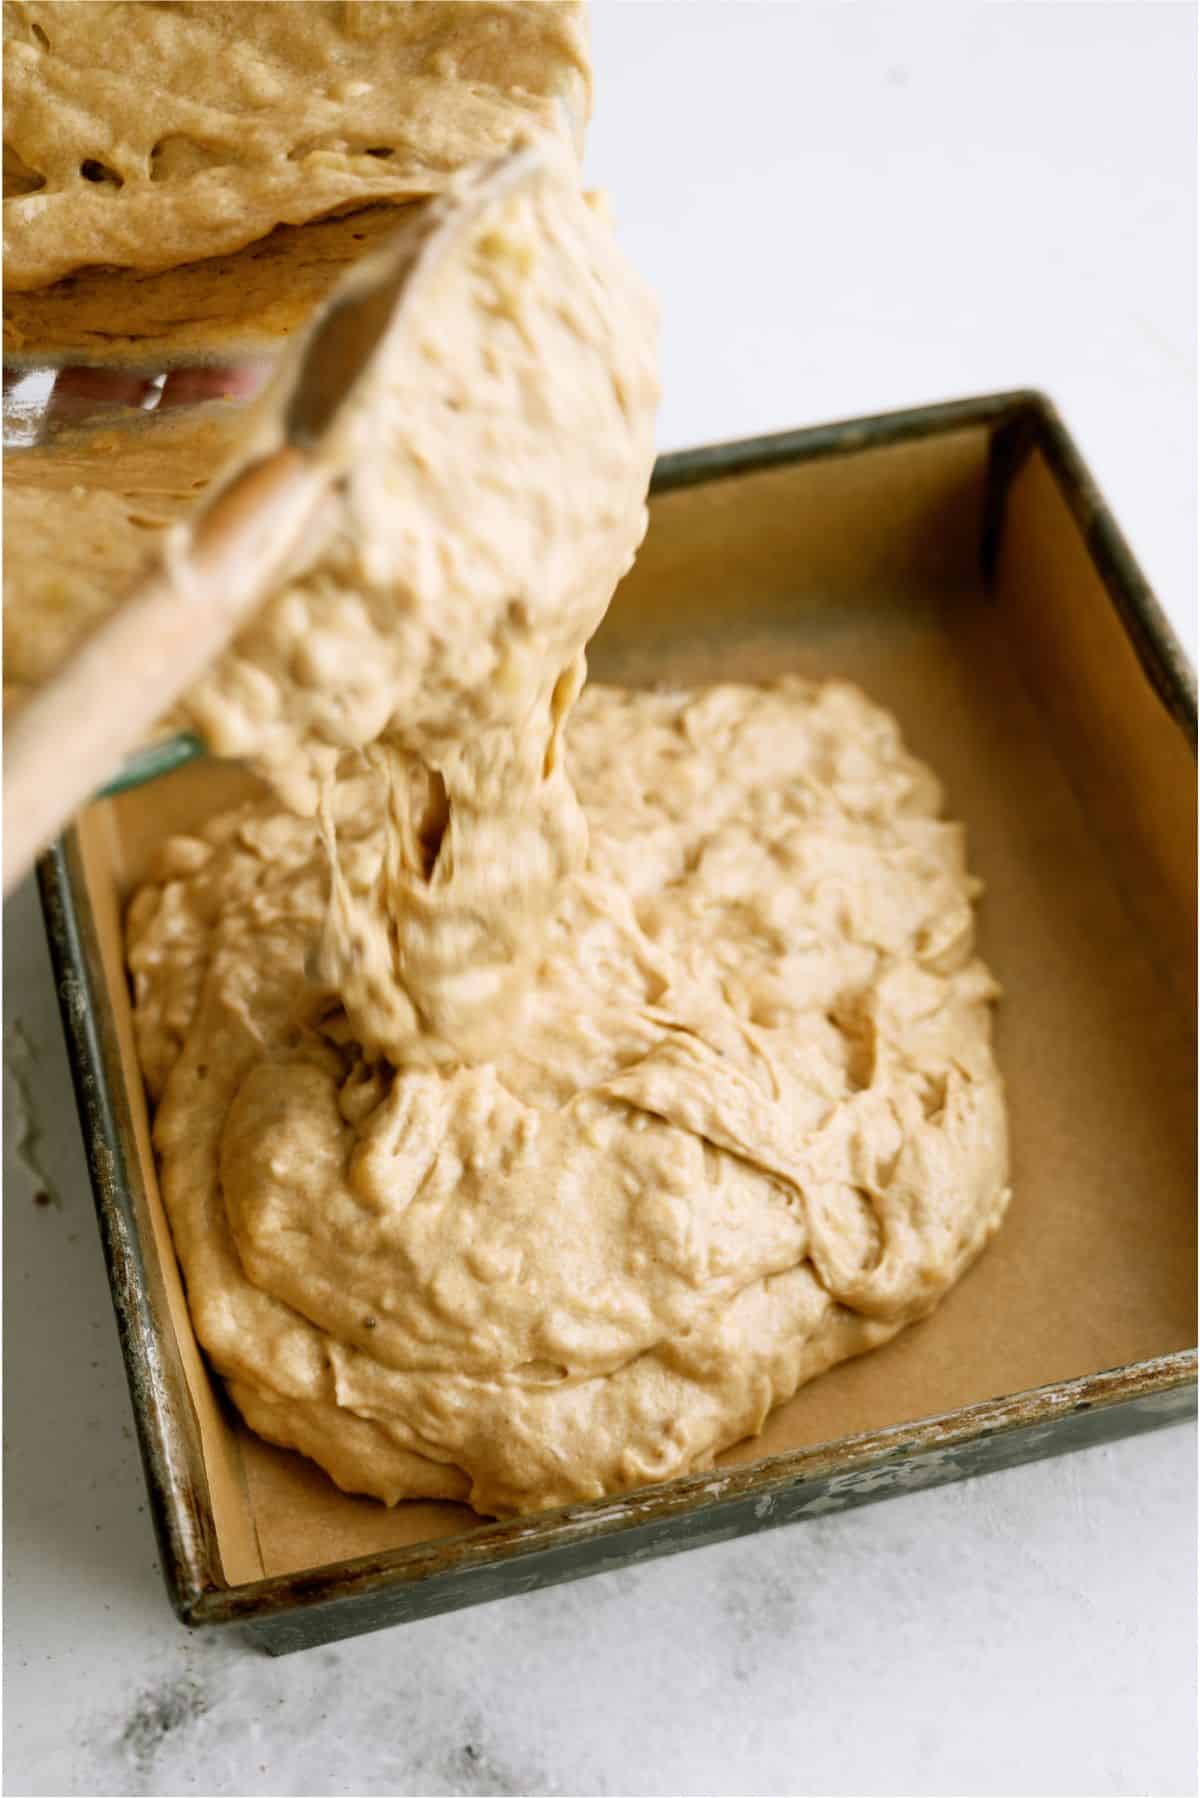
x=72, y=734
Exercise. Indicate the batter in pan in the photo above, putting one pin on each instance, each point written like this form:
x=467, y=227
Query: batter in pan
x=546, y=1086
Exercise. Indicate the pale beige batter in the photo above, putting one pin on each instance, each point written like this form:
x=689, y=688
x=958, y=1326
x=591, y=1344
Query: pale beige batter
x=518, y=1150
x=260, y=88
x=490, y=493
x=148, y=136
x=745, y=1123
x=492, y=489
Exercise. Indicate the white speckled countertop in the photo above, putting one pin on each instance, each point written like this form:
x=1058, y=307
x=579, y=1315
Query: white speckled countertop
x=844, y=208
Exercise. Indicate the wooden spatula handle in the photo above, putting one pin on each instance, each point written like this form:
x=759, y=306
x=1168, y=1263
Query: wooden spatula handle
x=73, y=733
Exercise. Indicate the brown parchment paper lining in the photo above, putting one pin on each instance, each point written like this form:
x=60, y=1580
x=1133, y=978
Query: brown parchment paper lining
x=865, y=566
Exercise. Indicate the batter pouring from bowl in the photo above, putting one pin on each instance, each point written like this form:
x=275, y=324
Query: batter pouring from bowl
x=545, y=1090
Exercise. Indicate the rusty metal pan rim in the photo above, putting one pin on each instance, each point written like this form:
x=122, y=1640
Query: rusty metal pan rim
x=494, y=1544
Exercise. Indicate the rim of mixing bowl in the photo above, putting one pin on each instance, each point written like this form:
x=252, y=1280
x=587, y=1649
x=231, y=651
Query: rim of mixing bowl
x=161, y=757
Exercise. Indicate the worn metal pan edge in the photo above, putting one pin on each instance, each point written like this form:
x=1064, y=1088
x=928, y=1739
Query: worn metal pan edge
x=410, y=1582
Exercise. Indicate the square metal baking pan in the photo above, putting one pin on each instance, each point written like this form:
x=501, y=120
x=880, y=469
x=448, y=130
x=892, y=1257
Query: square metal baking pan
x=957, y=562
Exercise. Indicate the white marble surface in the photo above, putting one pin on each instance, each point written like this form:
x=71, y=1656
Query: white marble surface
x=844, y=208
